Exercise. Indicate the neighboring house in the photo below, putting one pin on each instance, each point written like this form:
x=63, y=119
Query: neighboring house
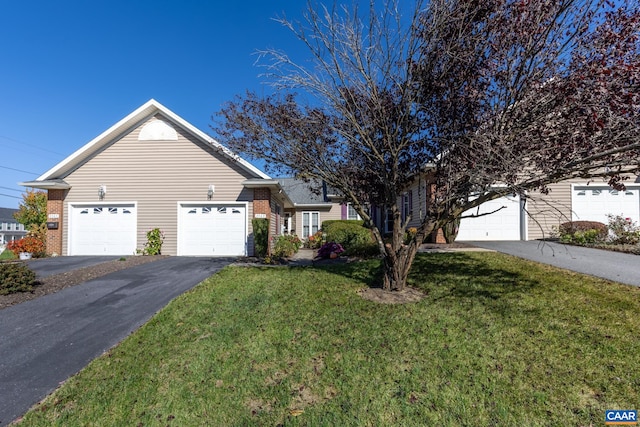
x=150, y=170
x=538, y=214
x=533, y=217
x=10, y=229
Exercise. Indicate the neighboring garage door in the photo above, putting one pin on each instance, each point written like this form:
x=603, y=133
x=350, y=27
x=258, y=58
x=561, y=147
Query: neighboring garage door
x=103, y=230
x=593, y=203
x=212, y=230
x=501, y=225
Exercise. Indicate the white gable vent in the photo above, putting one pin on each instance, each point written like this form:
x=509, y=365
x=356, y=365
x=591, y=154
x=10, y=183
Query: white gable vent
x=157, y=130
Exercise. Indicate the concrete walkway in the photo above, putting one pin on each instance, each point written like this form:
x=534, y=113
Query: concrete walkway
x=45, y=341
x=614, y=266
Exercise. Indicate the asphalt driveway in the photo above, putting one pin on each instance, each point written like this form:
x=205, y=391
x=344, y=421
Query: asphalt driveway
x=44, y=267
x=615, y=266
x=45, y=341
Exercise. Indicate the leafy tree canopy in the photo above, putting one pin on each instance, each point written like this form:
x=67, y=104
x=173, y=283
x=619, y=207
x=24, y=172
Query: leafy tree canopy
x=32, y=211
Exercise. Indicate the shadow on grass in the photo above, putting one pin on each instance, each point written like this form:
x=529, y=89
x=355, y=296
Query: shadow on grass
x=468, y=275
x=443, y=276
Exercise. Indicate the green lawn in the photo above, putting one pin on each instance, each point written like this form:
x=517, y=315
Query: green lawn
x=497, y=341
x=7, y=254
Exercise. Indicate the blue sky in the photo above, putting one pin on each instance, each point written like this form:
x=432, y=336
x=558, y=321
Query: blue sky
x=72, y=69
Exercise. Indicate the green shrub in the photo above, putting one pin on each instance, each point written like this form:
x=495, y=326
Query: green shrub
x=155, y=238
x=314, y=241
x=583, y=232
x=623, y=230
x=367, y=250
x=353, y=237
x=286, y=245
x=330, y=222
x=16, y=277
x=260, y=236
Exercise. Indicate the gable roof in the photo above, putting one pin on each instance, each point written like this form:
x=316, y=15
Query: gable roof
x=303, y=193
x=124, y=126
x=6, y=215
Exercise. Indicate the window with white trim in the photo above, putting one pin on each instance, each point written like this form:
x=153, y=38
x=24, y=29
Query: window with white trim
x=351, y=212
x=310, y=223
x=388, y=223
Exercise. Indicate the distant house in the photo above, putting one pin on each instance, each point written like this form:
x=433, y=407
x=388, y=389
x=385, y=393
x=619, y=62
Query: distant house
x=534, y=216
x=10, y=229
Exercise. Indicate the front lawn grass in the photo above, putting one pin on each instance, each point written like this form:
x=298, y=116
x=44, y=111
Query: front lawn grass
x=7, y=255
x=497, y=341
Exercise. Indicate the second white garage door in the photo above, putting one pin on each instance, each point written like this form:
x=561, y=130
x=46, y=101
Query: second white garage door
x=212, y=230
x=501, y=225
x=593, y=203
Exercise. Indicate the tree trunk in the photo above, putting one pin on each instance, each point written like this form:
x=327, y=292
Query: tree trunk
x=396, y=266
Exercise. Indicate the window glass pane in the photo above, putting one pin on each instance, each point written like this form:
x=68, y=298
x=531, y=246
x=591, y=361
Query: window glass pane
x=314, y=222
x=351, y=213
x=305, y=224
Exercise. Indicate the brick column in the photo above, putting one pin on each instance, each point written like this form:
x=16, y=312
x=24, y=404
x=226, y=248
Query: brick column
x=262, y=206
x=55, y=200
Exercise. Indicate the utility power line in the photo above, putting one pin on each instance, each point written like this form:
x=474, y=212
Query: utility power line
x=30, y=145
x=18, y=170
x=13, y=197
x=12, y=189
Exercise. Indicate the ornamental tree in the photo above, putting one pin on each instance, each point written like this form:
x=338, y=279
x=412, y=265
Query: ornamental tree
x=32, y=211
x=467, y=94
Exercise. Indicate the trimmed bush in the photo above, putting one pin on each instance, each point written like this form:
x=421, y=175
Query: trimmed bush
x=583, y=232
x=260, y=236
x=16, y=277
x=286, y=245
x=350, y=234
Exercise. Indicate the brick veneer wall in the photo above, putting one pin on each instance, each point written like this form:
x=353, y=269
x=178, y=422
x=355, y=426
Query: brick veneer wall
x=262, y=206
x=55, y=199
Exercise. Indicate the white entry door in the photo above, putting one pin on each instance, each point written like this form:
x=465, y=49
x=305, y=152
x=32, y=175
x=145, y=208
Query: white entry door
x=103, y=229
x=593, y=203
x=501, y=225
x=212, y=230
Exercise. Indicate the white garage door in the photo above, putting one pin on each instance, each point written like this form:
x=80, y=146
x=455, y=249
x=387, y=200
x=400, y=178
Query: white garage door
x=103, y=230
x=212, y=230
x=501, y=225
x=593, y=203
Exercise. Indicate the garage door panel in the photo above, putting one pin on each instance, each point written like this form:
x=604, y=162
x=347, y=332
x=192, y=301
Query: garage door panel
x=212, y=230
x=103, y=230
x=593, y=203
x=502, y=224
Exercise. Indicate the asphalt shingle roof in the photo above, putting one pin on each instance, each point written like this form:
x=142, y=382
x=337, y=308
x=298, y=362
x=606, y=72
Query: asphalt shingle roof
x=6, y=215
x=300, y=192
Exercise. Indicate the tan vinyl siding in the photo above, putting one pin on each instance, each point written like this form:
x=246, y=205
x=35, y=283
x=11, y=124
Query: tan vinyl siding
x=157, y=175
x=548, y=211
x=275, y=223
x=328, y=212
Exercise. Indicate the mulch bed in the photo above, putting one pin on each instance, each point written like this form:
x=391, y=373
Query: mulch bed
x=55, y=283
